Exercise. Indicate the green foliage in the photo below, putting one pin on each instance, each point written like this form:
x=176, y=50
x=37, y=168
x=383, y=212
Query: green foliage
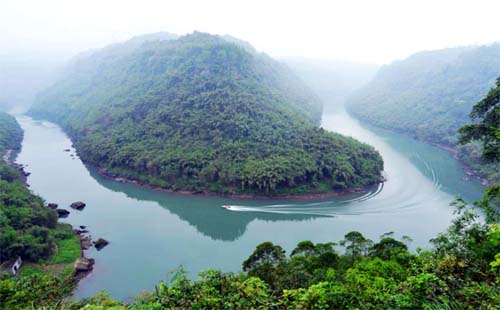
x=487, y=130
x=26, y=223
x=213, y=290
x=11, y=134
x=68, y=246
x=34, y=291
x=491, y=203
x=201, y=113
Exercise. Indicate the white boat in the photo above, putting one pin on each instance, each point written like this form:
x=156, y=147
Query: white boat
x=227, y=207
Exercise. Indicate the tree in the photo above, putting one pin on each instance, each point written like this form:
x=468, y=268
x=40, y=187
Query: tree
x=264, y=262
x=388, y=248
x=266, y=253
x=355, y=244
x=487, y=130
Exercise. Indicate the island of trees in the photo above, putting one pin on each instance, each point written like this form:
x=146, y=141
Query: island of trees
x=202, y=113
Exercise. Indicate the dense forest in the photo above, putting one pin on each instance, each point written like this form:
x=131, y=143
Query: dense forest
x=430, y=94
x=202, y=113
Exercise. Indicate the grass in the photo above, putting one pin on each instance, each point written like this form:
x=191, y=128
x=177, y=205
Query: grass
x=28, y=270
x=60, y=263
x=68, y=250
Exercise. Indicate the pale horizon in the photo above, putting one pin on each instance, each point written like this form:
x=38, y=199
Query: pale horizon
x=358, y=31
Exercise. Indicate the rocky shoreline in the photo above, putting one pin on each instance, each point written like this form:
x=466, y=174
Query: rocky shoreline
x=9, y=159
x=306, y=196
x=83, y=266
x=469, y=171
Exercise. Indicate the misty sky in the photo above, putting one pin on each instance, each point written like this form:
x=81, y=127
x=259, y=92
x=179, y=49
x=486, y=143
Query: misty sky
x=373, y=31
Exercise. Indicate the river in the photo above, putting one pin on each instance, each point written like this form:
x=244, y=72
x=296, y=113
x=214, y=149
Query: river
x=152, y=233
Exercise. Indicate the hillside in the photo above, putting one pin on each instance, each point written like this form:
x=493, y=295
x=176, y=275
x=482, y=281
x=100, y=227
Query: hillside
x=11, y=133
x=202, y=113
x=27, y=227
x=430, y=95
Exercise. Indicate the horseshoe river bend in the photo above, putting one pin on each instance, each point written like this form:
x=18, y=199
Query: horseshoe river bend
x=152, y=233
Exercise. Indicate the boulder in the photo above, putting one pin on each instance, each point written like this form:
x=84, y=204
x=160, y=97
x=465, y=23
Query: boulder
x=78, y=205
x=86, y=243
x=100, y=243
x=62, y=212
x=52, y=205
x=83, y=264
x=83, y=226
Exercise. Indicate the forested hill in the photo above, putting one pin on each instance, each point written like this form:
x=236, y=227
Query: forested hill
x=202, y=112
x=429, y=94
x=11, y=134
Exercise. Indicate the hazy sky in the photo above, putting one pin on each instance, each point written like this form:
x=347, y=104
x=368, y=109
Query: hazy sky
x=373, y=31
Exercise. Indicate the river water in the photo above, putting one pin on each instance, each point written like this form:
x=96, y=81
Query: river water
x=152, y=233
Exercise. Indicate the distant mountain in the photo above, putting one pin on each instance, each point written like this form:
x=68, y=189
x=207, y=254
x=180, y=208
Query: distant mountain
x=22, y=76
x=332, y=80
x=430, y=95
x=202, y=113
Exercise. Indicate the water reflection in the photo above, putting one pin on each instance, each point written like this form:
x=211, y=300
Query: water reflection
x=206, y=215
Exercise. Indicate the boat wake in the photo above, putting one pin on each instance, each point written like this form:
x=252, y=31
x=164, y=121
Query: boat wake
x=328, y=208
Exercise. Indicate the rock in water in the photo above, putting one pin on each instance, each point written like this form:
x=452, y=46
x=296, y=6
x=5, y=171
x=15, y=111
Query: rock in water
x=62, y=212
x=85, y=242
x=100, y=243
x=52, y=205
x=78, y=205
x=83, y=264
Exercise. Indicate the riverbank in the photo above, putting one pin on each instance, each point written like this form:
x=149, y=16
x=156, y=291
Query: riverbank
x=250, y=196
x=468, y=169
x=68, y=251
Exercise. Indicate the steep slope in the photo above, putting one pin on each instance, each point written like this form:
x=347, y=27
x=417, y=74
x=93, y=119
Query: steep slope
x=202, y=113
x=430, y=95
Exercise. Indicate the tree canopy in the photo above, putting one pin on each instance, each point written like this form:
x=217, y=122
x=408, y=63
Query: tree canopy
x=487, y=130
